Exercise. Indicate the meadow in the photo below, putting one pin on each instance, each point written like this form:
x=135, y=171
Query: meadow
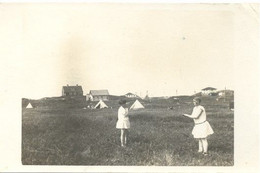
x=158, y=136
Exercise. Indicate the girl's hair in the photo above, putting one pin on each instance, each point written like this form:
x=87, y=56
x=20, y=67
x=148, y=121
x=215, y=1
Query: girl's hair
x=197, y=99
x=122, y=102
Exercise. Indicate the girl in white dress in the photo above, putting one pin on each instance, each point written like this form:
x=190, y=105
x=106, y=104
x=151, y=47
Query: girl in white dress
x=202, y=128
x=123, y=122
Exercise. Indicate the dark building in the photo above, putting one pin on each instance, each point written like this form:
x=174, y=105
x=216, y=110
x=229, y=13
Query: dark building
x=72, y=91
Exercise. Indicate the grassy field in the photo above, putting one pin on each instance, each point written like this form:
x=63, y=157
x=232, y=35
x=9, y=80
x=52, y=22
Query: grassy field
x=158, y=136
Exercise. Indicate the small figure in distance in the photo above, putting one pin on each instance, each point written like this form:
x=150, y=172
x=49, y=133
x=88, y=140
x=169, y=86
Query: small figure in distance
x=170, y=108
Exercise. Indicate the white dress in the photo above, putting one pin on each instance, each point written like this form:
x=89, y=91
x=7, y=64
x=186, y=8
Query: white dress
x=202, y=128
x=123, y=120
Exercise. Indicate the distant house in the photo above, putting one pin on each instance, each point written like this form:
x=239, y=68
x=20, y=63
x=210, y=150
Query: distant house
x=72, y=91
x=208, y=91
x=96, y=95
x=226, y=93
x=131, y=95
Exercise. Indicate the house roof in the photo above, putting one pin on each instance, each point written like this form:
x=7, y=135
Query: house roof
x=99, y=92
x=229, y=91
x=208, y=88
x=77, y=88
x=129, y=94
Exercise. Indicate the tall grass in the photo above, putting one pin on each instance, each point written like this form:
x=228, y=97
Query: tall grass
x=157, y=137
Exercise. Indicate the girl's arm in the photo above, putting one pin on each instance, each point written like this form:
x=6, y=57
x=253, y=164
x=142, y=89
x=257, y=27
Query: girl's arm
x=125, y=112
x=186, y=115
x=194, y=115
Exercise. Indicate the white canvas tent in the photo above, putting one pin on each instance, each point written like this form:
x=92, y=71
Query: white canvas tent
x=101, y=105
x=29, y=105
x=136, y=105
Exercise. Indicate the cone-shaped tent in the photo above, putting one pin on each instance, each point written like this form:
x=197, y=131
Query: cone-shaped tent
x=137, y=105
x=29, y=105
x=101, y=105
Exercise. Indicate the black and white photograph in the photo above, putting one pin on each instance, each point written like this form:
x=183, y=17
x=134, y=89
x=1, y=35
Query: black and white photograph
x=130, y=87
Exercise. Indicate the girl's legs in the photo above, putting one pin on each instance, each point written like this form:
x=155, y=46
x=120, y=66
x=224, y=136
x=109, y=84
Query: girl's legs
x=122, y=137
x=126, y=137
x=200, y=146
x=205, y=145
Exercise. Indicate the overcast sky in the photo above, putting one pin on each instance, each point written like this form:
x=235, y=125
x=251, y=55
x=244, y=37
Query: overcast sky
x=120, y=47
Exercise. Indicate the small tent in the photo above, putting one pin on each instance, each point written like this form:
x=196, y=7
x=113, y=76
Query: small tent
x=137, y=105
x=101, y=105
x=29, y=105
